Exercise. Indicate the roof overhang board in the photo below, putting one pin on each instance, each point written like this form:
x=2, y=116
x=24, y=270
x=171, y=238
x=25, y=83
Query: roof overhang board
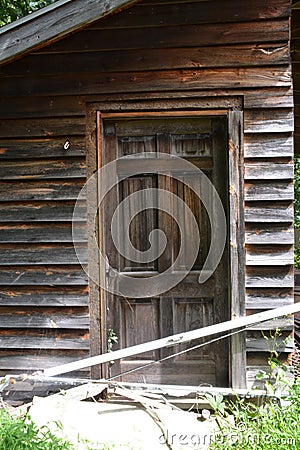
x=51, y=23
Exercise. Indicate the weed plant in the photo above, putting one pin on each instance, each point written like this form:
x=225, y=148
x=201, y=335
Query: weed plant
x=20, y=433
x=273, y=425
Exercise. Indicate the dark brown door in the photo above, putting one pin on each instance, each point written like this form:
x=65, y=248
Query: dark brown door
x=188, y=305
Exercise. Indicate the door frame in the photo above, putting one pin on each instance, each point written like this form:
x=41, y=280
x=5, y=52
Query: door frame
x=231, y=107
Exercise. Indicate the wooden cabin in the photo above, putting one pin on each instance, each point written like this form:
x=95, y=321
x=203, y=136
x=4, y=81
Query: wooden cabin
x=82, y=83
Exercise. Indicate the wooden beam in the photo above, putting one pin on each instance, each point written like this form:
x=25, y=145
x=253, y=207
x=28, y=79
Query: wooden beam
x=175, y=339
x=52, y=23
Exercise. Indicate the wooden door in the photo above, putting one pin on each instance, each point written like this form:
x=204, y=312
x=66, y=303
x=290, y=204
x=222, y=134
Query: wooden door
x=188, y=305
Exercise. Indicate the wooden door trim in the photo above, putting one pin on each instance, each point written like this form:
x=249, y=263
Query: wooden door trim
x=236, y=247
x=153, y=114
x=236, y=230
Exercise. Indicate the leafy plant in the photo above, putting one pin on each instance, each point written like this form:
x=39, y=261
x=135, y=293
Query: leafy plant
x=11, y=10
x=112, y=339
x=21, y=433
x=276, y=379
x=270, y=426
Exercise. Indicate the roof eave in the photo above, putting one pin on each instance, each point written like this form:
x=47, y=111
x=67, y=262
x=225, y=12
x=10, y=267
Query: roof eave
x=51, y=23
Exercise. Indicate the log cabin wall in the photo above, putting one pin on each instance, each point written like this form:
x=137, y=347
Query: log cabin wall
x=196, y=50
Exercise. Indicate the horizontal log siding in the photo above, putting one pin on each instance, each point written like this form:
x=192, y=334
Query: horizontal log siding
x=295, y=51
x=169, y=52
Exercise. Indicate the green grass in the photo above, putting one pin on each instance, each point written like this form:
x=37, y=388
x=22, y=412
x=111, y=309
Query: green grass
x=20, y=433
x=271, y=426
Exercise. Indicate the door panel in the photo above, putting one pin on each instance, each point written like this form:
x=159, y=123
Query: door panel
x=189, y=305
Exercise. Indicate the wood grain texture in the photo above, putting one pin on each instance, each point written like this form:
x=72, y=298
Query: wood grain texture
x=30, y=254
x=269, y=212
x=269, y=277
x=254, y=344
x=268, y=190
x=237, y=253
x=49, y=106
x=44, y=296
x=268, y=145
x=46, y=275
x=41, y=211
x=41, y=28
x=29, y=190
x=174, y=36
x=34, y=233
x=268, y=121
x=47, y=168
x=54, y=147
x=59, y=342
x=264, y=298
x=267, y=255
x=29, y=361
x=269, y=170
x=45, y=318
x=269, y=234
x=268, y=98
x=145, y=14
x=40, y=127
x=150, y=59
x=231, y=78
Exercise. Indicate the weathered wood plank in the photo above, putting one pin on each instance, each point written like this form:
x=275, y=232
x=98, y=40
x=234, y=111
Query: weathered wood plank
x=268, y=298
x=174, y=37
x=150, y=59
x=267, y=255
x=269, y=234
x=267, y=191
x=31, y=361
x=168, y=13
x=236, y=236
x=26, y=233
x=268, y=145
x=60, y=341
x=269, y=277
x=40, y=28
x=268, y=98
x=62, y=105
x=269, y=121
x=44, y=276
x=41, y=148
x=41, y=254
x=40, y=127
x=269, y=170
x=263, y=345
x=269, y=212
x=137, y=81
x=273, y=324
x=19, y=107
x=43, y=296
x=256, y=363
x=36, y=190
x=14, y=317
x=41, y=212
x=46, y=168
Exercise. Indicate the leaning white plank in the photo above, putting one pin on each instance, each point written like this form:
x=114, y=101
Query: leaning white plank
x=174, y=339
